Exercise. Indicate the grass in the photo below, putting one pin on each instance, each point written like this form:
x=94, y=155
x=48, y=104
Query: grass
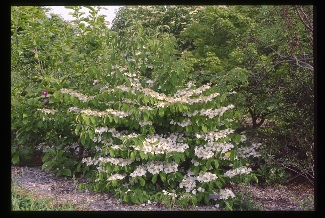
x=307, y=204
x=22, y=200
x=247, y=202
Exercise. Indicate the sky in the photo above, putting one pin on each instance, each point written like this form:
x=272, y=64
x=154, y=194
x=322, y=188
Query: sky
x=64, y=13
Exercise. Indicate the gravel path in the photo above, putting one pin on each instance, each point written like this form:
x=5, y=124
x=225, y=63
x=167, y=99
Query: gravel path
x=293, y=197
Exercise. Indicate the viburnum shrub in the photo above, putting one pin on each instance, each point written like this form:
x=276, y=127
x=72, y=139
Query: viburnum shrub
x=138, y=128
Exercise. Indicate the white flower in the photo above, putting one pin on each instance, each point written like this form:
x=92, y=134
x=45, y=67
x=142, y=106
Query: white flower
x=206, y=177
x=116, y=177
x=199, y=189
x=226, y=193
x=238, y=171
x=140, y=171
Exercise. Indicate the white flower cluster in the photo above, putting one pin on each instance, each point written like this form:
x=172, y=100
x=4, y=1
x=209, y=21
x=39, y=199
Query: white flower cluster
x=78, y=95
x=47, y=118
x=232, y=93
x=107, y=142
x=114, y=132
x=218, y=147
x=89, y=161
x=173, y=195
x=155, y=167
x=129, y=101
x=215, y=135
x=245, y=152
x=238, y=171
x=182, y=96
x=184, y=123
x=116, y=177
x=157, y=144
x=211, y=148
x=100, y=169
x=101, y=130
x=186, y=195
x=206, y=177
x=120, y=114
x=186, y=93
x=145, y=108
x=243, y=138
x=170, y=167
x=203, y=153
x=188, y=182
x=74, y=109
x=143, y=123
x=140, y=171
x=199, y=189
x=226, y=193
x=195, y=163
x=161, y=104
x=47, y=111
x=211, y=113
x=116, y=161
x=132, y=135
x=117, y=147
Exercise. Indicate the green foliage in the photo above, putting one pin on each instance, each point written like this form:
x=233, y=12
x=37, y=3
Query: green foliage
x=272, y=174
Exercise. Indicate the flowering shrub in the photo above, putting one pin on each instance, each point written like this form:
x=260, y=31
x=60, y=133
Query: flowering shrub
x=142, y=138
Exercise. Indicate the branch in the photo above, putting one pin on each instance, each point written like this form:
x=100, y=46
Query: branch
x=302, y=20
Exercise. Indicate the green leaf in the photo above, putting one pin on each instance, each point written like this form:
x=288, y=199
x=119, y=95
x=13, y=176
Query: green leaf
x=163, y=176
x=15, y=159
x=66, y=172
x=116, y=119
x=194, y=200
x=132, y=155
x=134, y=199
x=39, y=124
x=112, y=152
x=196, y=170
x=204, y=129
x=177, y=158
x=188, y=129
x=56, y=95
x=82, y=140
x=218, y=184
x=210, y=186
x=45, y=157
x=93, y=120
x=145, y=116
x=154, y=178
x=112, y=56
x=119, y=74
x=237, y=139
x=179, y=176
x=206, y=199
x=114, y=183
x=229, y=207
x=161, y=112
x=208, y=164
x=142, y=181
x=91, y=134
x=216, y=164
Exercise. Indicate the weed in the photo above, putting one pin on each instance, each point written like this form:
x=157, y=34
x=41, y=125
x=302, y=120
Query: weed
x=22, y=200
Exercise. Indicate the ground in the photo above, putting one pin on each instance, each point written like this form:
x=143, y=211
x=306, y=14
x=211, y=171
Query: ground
x=295, y=196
